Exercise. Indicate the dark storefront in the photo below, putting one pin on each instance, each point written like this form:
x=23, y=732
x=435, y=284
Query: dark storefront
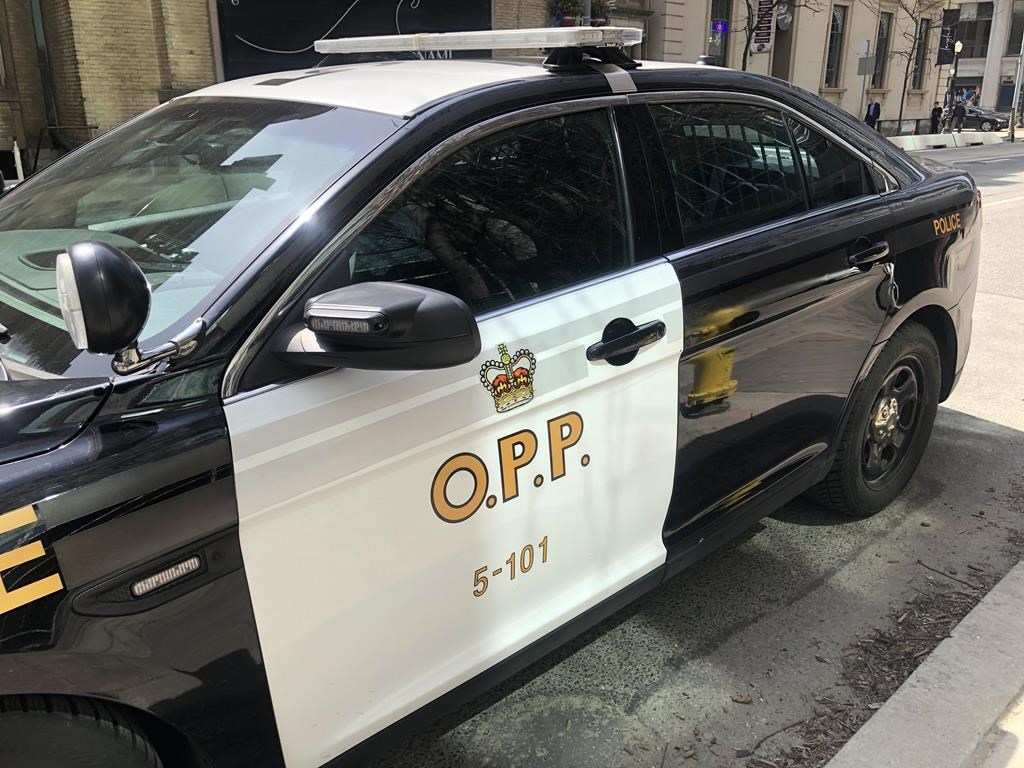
x=259, y=36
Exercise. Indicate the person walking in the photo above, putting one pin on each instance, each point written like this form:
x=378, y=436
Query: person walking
x=936, y=117
x=874, y=112
x=959, y=113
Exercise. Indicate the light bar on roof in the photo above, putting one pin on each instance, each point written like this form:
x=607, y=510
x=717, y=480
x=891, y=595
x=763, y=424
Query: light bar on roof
x=553, y=37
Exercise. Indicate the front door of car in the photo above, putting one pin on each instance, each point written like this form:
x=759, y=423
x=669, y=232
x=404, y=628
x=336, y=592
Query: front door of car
x=404, y=531
x=785, y=289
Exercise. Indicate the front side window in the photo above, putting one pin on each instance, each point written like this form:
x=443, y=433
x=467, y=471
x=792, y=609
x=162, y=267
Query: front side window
x=921, y=54
x=833, y=174
x=881, y=50
x=520, y=213
x=732, y=167
x=836, y=40
x=192, y=192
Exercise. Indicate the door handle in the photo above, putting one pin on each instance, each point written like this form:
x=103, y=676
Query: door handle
x=873, y=253
x=622, y=340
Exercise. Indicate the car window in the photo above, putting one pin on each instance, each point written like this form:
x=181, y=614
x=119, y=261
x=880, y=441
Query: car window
x=732, y=167
x=514, y=215
x=833, y=174
x=191, y=192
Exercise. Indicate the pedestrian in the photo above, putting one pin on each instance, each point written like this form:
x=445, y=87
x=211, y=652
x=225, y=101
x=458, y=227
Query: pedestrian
x=959, y=113
x=936, y=116
x=874, y=112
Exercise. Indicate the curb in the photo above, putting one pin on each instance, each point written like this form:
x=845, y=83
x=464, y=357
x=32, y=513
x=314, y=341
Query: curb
x=941, y=714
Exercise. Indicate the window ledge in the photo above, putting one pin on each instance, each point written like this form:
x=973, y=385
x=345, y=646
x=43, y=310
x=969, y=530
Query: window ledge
x=879, y=91
x=916, y=91
x=835, y=91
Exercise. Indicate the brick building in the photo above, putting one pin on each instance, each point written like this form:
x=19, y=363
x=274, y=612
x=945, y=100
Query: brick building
x=72, y=68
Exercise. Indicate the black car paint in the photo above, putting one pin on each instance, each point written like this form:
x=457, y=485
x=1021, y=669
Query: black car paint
x=147, y=483
x=148, y=480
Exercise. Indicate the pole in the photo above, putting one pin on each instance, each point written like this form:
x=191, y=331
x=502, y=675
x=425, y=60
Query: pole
x=1016, y=92
x=19, y=170
x=588, y=11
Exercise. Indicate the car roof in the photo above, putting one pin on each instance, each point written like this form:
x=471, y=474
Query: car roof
x=400, y=88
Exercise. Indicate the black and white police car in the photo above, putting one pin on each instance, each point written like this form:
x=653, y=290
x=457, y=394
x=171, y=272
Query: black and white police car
x=332, y=397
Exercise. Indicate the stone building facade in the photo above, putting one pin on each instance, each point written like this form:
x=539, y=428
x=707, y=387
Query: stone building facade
x=84, y=66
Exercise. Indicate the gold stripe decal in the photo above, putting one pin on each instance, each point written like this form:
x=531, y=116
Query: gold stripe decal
x=11, y=521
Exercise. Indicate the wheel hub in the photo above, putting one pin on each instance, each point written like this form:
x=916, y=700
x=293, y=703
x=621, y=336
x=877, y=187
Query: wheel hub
x=887, y=416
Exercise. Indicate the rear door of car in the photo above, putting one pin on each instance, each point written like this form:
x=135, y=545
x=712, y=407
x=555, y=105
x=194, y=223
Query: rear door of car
x=781, y=260
x=404, y=531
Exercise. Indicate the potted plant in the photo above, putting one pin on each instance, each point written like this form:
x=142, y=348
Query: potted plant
x=569, y=13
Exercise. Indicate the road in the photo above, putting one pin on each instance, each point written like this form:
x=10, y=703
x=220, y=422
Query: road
x=772, y=615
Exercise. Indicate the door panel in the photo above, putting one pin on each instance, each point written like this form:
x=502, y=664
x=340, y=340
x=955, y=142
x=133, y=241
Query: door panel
x=795, y=322
x=778, y=319
x=382, y=514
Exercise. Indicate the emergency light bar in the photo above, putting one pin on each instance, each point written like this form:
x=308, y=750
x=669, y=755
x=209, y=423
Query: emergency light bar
x=553, y=37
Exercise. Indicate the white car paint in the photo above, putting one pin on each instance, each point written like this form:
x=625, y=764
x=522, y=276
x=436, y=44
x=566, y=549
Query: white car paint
x=363, y=596
x=399, y=88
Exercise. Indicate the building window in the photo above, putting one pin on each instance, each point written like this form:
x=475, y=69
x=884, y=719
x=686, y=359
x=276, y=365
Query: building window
x=921, y=54
x=721, y=21
x=836, y=40
x=881, y=49
x=1016, y=28
x=974, y=29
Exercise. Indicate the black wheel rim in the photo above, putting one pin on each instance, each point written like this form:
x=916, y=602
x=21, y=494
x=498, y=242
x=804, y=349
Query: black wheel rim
x=892, y=422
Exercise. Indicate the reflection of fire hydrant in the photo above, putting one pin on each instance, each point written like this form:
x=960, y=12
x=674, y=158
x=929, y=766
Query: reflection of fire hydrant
x=713, y=383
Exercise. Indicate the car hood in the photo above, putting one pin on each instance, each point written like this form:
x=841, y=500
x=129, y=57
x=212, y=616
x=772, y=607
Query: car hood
x=38, y=415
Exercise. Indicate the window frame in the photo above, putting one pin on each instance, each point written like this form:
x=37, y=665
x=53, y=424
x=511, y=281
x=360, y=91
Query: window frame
x=882, y=49
x=837, y=82
x=924, y=31
x=791, y=114
x=250, y=349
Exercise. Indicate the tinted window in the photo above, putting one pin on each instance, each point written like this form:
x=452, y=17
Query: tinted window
x=519, y=213
x=833, y=174
x=732, y=167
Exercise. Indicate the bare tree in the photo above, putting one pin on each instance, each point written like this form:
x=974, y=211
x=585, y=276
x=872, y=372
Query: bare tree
x=750, y=23
x=907, y=20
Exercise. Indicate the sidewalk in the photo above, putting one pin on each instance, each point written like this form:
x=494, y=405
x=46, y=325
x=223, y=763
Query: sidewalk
x=964, y=706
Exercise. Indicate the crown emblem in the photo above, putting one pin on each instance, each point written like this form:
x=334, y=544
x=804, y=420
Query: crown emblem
x=509, y=379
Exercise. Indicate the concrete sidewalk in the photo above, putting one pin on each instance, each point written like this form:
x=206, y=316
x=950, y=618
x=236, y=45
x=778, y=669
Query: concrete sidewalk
x=964, y=706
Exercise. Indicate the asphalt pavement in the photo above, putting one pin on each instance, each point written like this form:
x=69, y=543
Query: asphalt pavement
x=772, y=618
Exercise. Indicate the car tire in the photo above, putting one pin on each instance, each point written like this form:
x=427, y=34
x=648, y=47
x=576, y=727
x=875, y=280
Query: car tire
x=986, y=126
x=880, y=448
x=61, y=732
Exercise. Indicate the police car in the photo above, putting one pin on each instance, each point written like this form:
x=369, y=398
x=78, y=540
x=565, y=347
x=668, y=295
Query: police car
x=333, y=397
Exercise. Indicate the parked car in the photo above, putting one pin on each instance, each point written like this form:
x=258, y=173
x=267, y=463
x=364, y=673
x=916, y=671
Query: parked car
x=337, y=396
x=983, y=119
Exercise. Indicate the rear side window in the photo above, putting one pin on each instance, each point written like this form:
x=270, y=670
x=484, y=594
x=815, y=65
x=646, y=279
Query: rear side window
x=732, y=167
x=517, y=214
x=833, y=174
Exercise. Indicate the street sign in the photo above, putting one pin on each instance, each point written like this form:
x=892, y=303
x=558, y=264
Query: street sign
x=764, y=29
x=866, y=65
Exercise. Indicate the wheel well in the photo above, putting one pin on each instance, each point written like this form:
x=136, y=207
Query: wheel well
x=939, y=324
x=173, y=747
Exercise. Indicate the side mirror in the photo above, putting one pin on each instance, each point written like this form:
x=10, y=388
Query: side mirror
x=104, y=297
x=383, y=327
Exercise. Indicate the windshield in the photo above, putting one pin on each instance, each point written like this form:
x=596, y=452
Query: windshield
x=192, y=192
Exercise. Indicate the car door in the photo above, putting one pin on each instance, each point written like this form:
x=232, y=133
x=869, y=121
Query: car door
x=784, y=293
x=403, y=532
